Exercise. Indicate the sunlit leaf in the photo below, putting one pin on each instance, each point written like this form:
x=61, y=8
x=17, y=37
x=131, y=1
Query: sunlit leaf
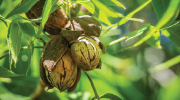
x=26, y=28
x=105, y=9
x=154, y=40
x=166, y=64
x=7, y=73
x=173, y=34
x=138, y=32
x=91, y=8
x=110, y=96
x=14, y=39
x=3, y=20
x=23, y=7
x=169, y=14
x=113, y=3
x=126, y=18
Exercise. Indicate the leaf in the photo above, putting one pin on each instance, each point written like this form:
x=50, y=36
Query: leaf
x=160, y=7
x=173, y=34
x=30, y=48
x=113, y=3
x=105, y=9
x=125, y=19
x=23, y=7
x=91, y=8
x=110, y=96
x=139, y=31
x=3, y=20
x=14, y=39
x=5, y=73
x=1, y=2
x=26, y=28
x=154, y=40
x=169, y=14
x=165, y=65
x=49, y=4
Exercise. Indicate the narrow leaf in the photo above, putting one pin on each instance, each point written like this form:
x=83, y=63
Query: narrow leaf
x=110, y=96
x=26, y=28
x=160, y=7
x=23, y=7
x=138, y=32
x=113, y=3
x=154, y=40
x=166, y=64
x=5, y=73
x=91, y=8
x=170, y=12
x=125, y=19
x=14, y=39
x=105, y=9
x=3, y=20
x=173, y=34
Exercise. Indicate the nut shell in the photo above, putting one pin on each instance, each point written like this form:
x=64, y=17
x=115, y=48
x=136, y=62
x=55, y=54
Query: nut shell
x=85, y=53
x=64, y=74
x=56, y=21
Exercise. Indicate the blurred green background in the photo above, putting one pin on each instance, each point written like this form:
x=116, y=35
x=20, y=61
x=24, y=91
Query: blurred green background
x=124, y=74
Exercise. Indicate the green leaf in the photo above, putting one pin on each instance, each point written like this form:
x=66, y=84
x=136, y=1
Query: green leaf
x=91, y=8
x=5, y=73
x=169, y=14
x=110, y=96
x=1, y=2
x=173, y=34
x=3, y=20
x=14, y=39
x=154, y=40
x=45, y=15
x=113, y=3
x=125, y=19
x=165, y=65
x=105, y=9
x=160, y=7
x=26, y=28
x=23, y=7
x=138, y=32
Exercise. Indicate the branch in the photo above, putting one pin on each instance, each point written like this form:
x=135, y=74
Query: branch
x=94, y=89
x=39, y=91
x=20, y=50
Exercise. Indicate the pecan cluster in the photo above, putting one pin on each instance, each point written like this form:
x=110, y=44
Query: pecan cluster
x=75, y=47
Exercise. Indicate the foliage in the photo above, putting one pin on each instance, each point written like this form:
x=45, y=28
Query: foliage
x=139, y=51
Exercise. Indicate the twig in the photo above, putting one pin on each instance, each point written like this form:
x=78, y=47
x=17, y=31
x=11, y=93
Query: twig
x=20, y=50
x=39, y=91
x=94, y=89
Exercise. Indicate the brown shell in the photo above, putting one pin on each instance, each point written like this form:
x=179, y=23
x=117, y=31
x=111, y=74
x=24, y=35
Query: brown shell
x=53, y=51
x=64, y=74
x=85, y=53
x=56, y=21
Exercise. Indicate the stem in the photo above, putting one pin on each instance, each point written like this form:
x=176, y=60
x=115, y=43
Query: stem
x=68, y=9
x=39, y=91
x=116, y=41
x=20, y=50
x=94, y=89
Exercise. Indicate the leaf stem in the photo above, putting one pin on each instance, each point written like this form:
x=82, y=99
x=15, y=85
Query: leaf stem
x=20, y=50
x=94, y=89
x=116, y=41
